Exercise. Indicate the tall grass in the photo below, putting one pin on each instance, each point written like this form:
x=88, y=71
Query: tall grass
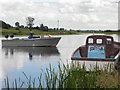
x=72, y=75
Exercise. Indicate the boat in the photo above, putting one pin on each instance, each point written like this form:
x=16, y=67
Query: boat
x=97, y=48
x=32, y=41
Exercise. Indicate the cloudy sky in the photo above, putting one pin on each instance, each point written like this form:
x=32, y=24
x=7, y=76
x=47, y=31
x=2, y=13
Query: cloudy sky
x=72, y=14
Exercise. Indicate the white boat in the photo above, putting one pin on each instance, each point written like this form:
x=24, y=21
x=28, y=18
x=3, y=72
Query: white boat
x=34, y=41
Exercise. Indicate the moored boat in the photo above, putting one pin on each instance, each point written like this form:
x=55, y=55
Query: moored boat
x=97, y=48
x=35, y=41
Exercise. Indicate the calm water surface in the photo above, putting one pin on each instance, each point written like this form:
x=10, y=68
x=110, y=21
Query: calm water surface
x=16, y=60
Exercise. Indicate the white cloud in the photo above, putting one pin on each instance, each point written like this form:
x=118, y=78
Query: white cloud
x=48, y=12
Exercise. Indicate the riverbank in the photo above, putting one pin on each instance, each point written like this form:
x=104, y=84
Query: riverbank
x=25, y=31
x=36, y=32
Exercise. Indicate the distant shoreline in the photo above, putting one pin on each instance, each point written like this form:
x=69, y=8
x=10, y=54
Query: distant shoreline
x=25, y=31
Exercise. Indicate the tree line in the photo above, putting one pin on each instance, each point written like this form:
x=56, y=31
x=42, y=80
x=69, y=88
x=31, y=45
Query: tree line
x=42, y=27
x=29, y=25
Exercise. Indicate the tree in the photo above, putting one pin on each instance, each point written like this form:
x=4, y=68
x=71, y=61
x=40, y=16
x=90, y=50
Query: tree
x=45, y=28
x=36, y=28
x=17, y=24
x=22, y=26
x=4, y=25
x=30, y=22
x=41, y=27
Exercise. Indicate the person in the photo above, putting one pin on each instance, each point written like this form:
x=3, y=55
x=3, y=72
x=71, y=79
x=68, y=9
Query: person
x=30, y=34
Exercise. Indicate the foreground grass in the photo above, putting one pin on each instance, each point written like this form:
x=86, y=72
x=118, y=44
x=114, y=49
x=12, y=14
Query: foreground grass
x=71, y=76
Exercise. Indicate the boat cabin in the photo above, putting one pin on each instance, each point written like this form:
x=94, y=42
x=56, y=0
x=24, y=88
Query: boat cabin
x=99, y=40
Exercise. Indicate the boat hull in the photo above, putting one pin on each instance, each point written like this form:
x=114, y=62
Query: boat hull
x=77, y=56
x=32, y=42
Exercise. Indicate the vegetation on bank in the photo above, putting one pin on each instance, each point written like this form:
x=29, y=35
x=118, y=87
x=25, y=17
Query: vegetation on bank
x=72, y=75
x=26, y=31
x=7, y=29
x=103, y=32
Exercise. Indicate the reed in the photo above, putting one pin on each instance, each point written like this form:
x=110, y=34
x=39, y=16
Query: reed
x=72, y=75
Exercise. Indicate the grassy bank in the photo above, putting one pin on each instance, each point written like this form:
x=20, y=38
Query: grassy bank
x=109, y=33
x=36, y=32
x=73, y=75
x=25, y=31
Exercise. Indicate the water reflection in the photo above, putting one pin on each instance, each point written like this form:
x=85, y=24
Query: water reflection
x=32, y=51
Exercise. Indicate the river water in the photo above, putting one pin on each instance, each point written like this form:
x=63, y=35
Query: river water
x=16, y=60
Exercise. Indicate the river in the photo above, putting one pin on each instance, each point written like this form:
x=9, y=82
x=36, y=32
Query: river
x=16, y=60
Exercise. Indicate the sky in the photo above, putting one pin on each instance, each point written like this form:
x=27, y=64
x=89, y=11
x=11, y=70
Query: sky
x=72, y=14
